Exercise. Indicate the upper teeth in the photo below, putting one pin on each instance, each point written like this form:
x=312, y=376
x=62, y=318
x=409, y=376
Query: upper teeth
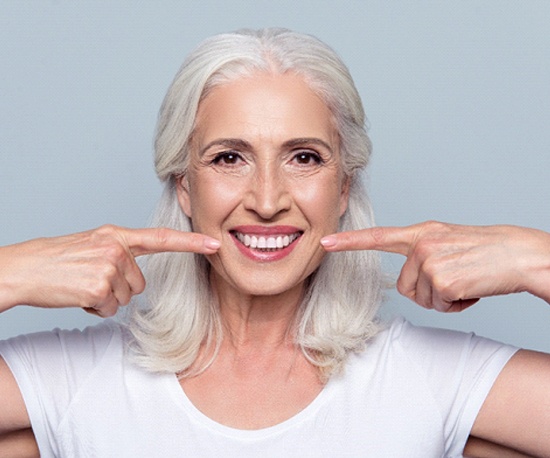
x=258, y=241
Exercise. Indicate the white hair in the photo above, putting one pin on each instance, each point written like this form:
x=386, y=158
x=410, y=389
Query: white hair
x=180, y=314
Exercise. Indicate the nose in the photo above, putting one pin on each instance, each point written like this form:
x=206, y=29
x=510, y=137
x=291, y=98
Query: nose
x=267, y=194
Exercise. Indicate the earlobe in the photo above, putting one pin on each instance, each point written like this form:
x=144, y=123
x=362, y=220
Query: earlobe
x=182, y=189
x=344, y=195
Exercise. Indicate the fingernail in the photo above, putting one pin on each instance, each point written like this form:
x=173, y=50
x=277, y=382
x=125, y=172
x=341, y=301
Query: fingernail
x=212, y=244
x=328, y=241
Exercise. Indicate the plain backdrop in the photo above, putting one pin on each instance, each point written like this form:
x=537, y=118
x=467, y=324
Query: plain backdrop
x=457, y=95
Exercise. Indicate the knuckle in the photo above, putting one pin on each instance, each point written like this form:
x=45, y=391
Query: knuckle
x=139, y=286
x=378, y=235
x=99, y=292
x=401, y=289
x=106, y=312
x=434, y=226
x=161, y=236
x=405, y=289
x=107, y=272
x=114, y=252
x=106, y=229
x=443, y=286
x=124, y=299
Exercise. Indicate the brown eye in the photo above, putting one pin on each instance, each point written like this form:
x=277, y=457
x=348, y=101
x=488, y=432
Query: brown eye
x=227, y=158
x=308, y=158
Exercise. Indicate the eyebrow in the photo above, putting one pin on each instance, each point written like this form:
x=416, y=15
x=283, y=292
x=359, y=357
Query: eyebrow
x=240, y=144
x=295, y=142
x=233, y=143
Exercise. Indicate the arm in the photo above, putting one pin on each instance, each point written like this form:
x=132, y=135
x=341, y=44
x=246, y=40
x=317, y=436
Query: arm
x=516, y=413
x=19, y=444
x=13, y=414
x=448, y=268
x=479, y=448
x=95, y=270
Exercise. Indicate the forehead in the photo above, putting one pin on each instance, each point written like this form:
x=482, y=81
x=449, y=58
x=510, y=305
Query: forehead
x=264, y=105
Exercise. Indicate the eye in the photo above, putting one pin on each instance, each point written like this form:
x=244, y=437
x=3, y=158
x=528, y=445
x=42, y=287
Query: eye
x=308, y=158
x=227, y=158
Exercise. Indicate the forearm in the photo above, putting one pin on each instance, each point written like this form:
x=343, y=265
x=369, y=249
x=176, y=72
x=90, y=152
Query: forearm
x=19, y=444
x=8, y=286
x=479, y=448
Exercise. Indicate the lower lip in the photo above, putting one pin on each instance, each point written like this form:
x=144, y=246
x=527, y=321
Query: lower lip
x=265, y=256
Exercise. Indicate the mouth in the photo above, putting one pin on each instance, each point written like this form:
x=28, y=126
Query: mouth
x=265, y=243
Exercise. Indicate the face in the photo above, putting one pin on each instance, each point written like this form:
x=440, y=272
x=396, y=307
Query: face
x=265, y=179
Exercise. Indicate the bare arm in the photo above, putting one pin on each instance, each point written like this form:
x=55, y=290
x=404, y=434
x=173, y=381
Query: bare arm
x=480, y=448
x=95, y=270
x=516, y=412
x=19, y=444
x=448, y=268
x=13, y=414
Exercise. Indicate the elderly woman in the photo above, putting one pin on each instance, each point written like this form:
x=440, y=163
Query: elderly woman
x=261, y=343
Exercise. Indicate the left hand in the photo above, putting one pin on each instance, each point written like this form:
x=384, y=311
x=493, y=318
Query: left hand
x=449, y=267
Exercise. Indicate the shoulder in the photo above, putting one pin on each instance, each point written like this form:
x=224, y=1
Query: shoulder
x=97, y=335
x=400, y=334
x=433, y=377
x=52, y=353
x=444, y=362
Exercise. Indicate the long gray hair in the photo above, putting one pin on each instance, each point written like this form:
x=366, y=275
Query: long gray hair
x=338, y=313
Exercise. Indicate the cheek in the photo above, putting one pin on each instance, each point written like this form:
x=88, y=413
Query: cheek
x=212, y=200
x=321, y=200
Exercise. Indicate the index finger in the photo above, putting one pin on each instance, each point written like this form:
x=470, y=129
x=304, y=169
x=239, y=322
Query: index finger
x=389, y=239
x=160, y=239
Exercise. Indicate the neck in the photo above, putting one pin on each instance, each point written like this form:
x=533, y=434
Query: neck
x=259, y=322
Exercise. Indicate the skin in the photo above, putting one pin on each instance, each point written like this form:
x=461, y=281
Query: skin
x=259, y=379
x=95, y=270
x=257, y=143
x=268, y=145
x=19, y=444
x=448, y=268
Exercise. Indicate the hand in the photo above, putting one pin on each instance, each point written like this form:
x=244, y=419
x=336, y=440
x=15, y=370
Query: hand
x=449, y=267
x=95, y=270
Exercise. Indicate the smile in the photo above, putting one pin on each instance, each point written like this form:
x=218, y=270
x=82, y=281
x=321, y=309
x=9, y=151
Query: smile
x=266, y=243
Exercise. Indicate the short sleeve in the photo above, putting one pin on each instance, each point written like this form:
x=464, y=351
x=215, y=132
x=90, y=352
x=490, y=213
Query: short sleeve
x=459, y=369
x=49, y=368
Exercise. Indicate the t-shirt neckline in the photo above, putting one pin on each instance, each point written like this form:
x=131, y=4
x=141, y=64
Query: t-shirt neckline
x=199, y=417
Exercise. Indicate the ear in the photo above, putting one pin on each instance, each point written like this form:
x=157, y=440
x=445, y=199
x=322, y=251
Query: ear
x=182, y=189
x=344, y=195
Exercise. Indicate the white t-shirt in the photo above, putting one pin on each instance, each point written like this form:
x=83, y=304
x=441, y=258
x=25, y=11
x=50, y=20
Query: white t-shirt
x=414, y=392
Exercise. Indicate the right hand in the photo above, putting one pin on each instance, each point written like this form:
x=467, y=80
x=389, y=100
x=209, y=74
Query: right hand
x=95, y=270
x=449, y=267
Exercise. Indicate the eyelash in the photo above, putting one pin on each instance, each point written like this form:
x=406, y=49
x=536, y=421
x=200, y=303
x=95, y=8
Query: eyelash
x=309, y=155
x=231, y=158
x=227, y=157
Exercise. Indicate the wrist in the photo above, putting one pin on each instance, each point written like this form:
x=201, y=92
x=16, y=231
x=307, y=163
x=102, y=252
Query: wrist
x=8, y=285
x=538, y=279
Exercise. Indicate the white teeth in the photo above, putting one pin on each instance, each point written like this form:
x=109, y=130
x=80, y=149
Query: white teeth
x=266, y=243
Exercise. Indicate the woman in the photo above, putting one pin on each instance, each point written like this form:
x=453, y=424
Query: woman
x=261, y=342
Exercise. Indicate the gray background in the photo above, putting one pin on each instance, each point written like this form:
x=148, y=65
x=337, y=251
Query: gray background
x=457, y=95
